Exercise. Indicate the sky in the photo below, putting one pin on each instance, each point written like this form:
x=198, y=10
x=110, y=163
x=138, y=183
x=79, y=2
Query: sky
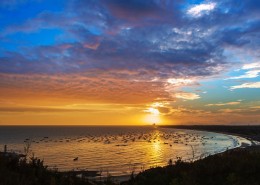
x=129, y=62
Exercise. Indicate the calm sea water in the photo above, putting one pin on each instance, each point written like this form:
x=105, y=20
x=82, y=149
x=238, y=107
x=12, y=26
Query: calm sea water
x=117, y=150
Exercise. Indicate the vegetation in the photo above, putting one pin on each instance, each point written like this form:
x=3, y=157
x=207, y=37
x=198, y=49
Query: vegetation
x=235, y=167
x=15, y=170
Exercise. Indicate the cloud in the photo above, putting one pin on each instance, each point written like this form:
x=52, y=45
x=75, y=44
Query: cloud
x=224, y=104
x=201, y=9
x=152, y=111
x=107, y=53
x=180, y=81
x=246, y=85
x=186, y=96
x=255, y=107
x=240, y=111
x=43, y=109
x=253, y=71
x=162, y=106
x=164, y=110
x=132, y=9
x=251, y=65
x=88, y=107
x=84, y=87
x=166, y=48
x=248, y=74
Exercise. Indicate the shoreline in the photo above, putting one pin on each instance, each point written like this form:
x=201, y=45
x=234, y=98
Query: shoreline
x=241, y=130
x=254, y=139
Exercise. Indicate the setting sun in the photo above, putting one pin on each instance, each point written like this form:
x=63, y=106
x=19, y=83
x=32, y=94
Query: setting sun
x=150, y=118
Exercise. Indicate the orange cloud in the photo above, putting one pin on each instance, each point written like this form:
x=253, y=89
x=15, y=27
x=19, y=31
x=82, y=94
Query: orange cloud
x=81, y=88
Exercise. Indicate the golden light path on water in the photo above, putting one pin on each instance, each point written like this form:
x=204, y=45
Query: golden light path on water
x=117, y=150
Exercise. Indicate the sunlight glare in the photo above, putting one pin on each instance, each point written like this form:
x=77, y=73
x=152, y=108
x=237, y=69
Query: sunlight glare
x=153, y=111
x=151, y=118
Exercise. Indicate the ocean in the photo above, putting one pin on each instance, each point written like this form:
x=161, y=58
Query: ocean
x=114, y=150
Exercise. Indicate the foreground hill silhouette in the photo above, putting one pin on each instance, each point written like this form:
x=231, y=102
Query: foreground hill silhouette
x=235, y=167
